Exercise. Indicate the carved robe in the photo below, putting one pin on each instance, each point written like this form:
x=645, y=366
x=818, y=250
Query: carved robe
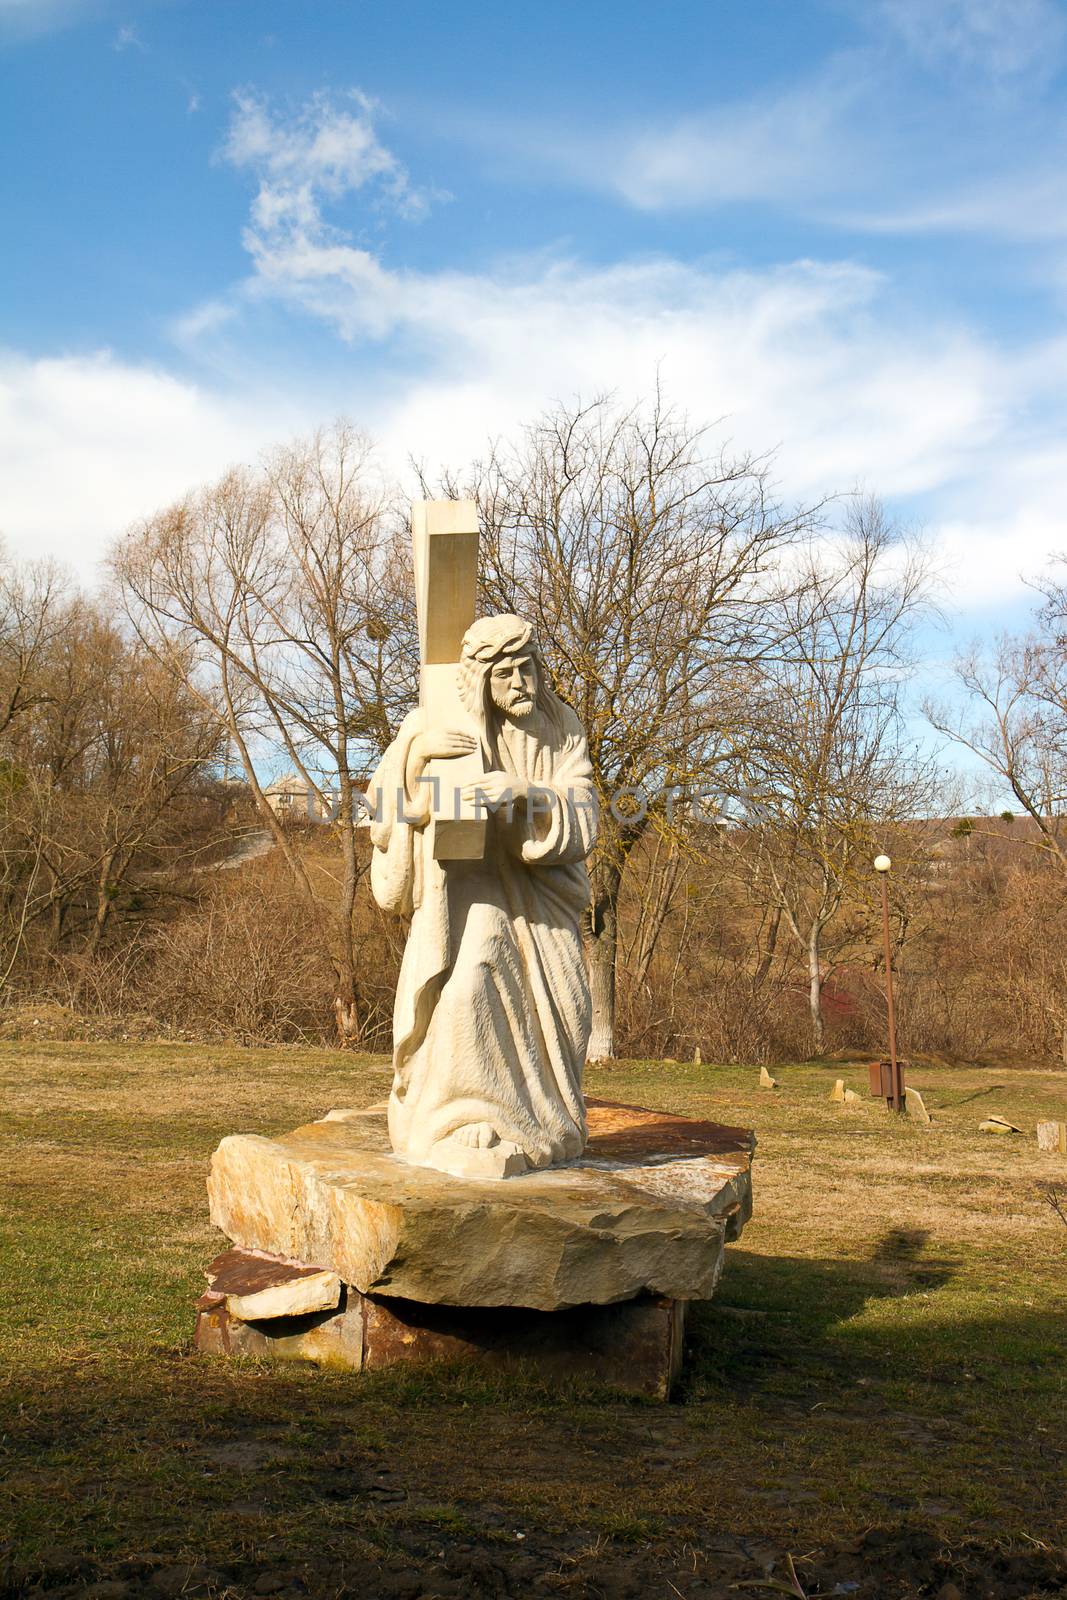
x=492, y=1014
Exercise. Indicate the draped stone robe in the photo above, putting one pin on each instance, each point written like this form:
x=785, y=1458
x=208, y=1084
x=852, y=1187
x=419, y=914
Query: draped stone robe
x=492, y=1015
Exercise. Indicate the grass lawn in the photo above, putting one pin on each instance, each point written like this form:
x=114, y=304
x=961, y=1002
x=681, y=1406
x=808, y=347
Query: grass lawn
x=877, y=1393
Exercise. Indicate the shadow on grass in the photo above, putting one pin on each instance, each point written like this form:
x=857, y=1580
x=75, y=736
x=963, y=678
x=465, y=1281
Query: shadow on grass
x=244, y=1466
x=782, y=1316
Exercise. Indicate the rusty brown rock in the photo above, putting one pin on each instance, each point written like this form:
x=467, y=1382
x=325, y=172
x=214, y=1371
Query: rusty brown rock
x=635, y=1347
x=254, y=1286
x=646, y=1210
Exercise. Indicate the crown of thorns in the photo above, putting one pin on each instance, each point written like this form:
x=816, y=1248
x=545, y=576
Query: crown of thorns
x=492, y=637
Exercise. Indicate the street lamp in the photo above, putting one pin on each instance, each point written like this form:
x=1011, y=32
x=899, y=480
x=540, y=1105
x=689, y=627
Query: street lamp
x=882, y=865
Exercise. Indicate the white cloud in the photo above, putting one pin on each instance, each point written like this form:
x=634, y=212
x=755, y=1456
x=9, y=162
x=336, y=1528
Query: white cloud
x=820, y=358
x=88, y=444
x=999, y=38
x=206, y=318
x=806, y=354
x=323, y=151
x=814, y=357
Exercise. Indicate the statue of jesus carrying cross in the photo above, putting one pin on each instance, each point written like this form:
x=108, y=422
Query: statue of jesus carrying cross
x=483, y=814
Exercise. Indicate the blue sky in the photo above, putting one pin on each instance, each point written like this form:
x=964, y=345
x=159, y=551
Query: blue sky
x=838, y=225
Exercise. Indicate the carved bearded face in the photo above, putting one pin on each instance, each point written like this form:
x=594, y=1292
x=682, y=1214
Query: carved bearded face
x=513, y=685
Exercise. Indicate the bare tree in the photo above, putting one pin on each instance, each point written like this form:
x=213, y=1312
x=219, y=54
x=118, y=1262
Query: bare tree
x=99, y=760
x=829, y=768
x=36, y=606
x=1016, y=719
x=646, y=562
x=291, y=588
x=1015, y=722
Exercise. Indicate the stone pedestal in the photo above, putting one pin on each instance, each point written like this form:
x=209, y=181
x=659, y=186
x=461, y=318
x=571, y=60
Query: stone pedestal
x=635, y=1346
x=361, y=1260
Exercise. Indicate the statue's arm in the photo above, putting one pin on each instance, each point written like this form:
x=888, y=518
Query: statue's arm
x=394, y=823
x=559, y=821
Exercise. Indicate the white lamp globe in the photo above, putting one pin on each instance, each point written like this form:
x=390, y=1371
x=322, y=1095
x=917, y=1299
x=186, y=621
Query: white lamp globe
x=882, y=863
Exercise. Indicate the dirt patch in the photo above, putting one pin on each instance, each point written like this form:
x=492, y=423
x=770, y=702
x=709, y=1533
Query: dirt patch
x=424, y=1563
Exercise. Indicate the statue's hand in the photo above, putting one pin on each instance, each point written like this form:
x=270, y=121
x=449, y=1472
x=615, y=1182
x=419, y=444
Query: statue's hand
x=439, y=744
x=493, y=788
x=435, y=744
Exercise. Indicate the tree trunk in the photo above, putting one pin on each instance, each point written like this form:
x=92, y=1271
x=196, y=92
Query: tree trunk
x=103, y=905
x=346, y=1011
x=815, y=990
x=602, y=947
x=762, y=971
x=346, y=1006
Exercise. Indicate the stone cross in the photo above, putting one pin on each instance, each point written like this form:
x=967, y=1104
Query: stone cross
x=444, y=534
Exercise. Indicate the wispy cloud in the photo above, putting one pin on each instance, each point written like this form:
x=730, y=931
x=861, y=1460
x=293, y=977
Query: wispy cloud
x=839, y=150
x=1029, y=206
x=997, y=38
x=772, y=147
x=19, y=18
x=322, y=153
x=863, y=141
x=127, y=38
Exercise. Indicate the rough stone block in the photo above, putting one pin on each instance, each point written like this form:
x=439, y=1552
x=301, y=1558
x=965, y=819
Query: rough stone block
x=635, y=1347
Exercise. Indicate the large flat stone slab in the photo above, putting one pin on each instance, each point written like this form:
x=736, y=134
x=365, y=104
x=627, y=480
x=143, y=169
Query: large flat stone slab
x=646, y=1211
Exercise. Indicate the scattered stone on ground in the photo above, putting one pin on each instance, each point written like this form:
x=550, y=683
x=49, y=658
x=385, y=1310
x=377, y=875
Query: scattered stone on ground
x=838, y=1091
x=851, y=1098
x=997, y=1124
x=1052, y=1136
x=765, y=1079
x=915, y=1106
x=698, y=1059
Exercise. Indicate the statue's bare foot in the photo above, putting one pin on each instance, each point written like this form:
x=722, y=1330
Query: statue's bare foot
x=477, y=1135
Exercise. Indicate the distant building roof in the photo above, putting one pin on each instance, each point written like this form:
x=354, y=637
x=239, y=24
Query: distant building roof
x=291, y=783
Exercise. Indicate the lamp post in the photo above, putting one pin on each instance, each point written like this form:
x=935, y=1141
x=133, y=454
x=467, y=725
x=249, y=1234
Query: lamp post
x=882, y=865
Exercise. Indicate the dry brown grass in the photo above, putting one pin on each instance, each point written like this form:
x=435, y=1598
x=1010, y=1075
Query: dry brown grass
x=887, y=1348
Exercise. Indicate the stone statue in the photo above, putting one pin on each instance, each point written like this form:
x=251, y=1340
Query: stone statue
x=492, y=1015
